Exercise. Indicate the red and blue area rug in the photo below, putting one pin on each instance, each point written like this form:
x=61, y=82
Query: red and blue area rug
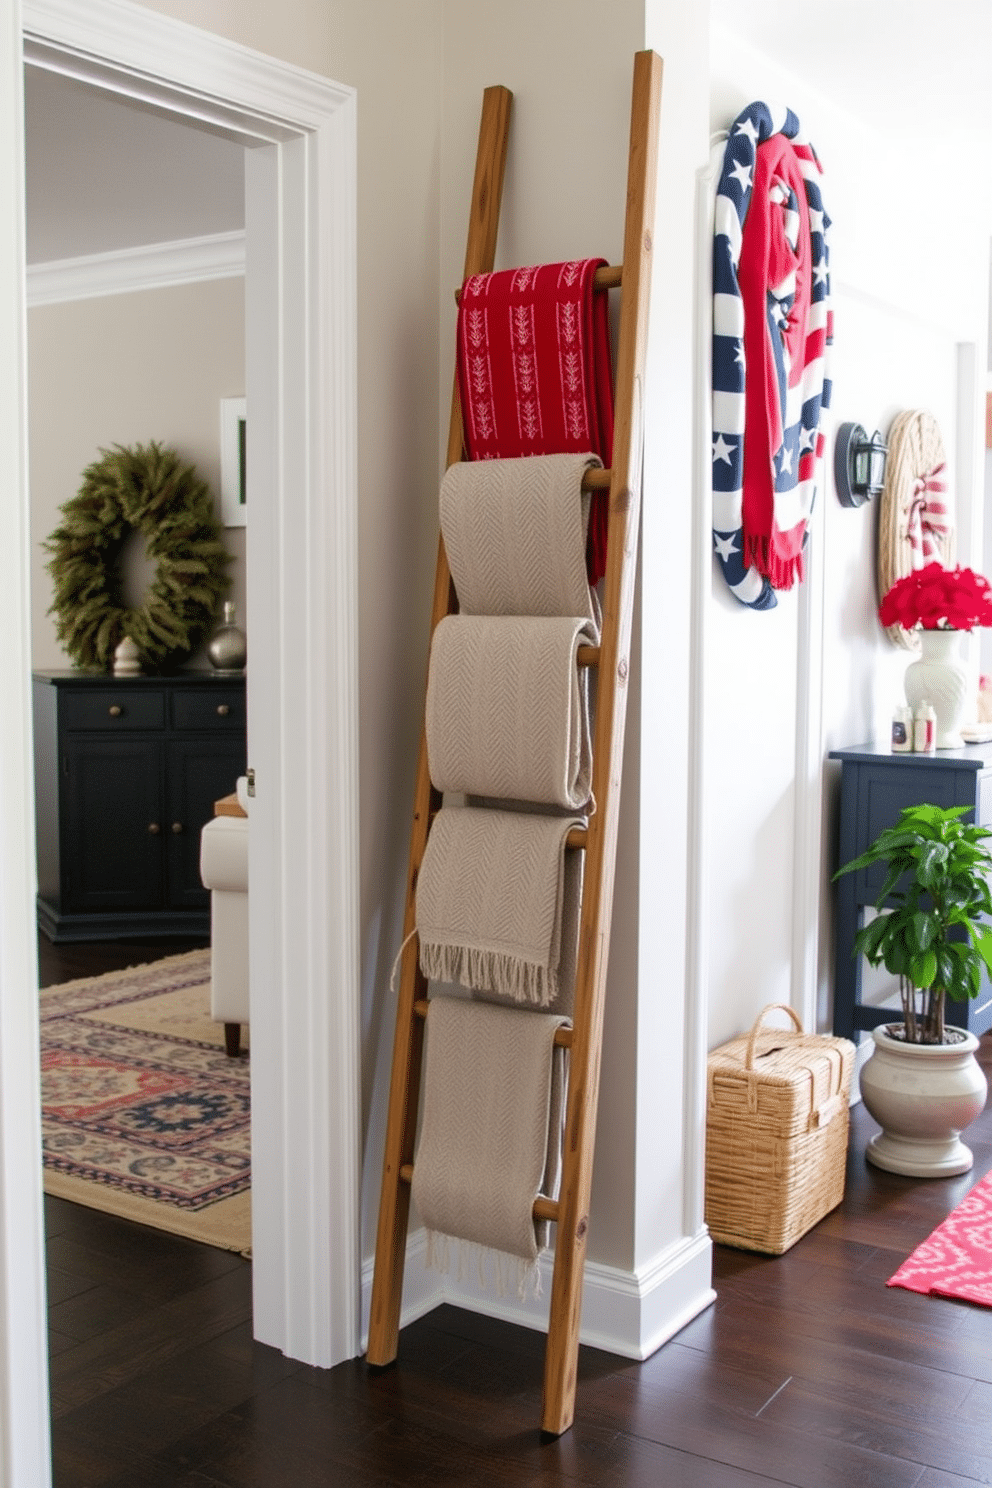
x=143, y=1113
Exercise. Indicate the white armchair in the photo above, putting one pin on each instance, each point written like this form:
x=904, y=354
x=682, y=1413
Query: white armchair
x=224, y=871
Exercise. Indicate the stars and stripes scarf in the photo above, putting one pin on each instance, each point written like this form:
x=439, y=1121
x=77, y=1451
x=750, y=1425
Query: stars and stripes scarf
x=772, y=325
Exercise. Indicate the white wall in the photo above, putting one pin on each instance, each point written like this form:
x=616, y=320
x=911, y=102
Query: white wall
x=126, y=369
x=900, y=314
x=986, y=641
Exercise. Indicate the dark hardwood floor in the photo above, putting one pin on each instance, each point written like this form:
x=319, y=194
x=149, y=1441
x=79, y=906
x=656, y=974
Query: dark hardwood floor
x=807, y=1371
x=66, y=962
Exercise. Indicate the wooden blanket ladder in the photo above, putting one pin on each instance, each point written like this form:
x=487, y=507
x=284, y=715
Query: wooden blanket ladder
x=570, y=1210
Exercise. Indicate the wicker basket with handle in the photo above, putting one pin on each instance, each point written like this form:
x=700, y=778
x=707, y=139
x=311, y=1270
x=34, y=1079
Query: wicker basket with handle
x=776, y=1133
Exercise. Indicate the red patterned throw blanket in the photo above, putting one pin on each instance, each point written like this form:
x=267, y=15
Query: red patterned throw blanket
x=534, y=373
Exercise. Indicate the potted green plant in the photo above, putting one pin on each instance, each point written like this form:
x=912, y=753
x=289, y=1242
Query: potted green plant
x=923, y=1084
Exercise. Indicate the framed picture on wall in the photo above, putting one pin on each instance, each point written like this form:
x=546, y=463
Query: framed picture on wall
x=233, y=489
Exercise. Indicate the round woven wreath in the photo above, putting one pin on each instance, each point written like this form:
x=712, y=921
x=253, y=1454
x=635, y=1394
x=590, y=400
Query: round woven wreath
x=149, y=490
x=915, y=524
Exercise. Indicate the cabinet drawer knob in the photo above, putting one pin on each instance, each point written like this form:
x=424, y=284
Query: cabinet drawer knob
x=154, y=828
x=177, y=828
x=223, y=709
x=115, y=710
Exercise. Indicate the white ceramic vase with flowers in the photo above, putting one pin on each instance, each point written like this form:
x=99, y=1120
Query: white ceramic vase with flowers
x=941, y=604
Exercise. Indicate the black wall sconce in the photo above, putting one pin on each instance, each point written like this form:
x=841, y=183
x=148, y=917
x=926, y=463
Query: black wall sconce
x=859, y=464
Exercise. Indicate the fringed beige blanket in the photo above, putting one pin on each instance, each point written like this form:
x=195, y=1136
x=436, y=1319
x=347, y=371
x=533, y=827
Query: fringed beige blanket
x=515, y=535
x=508, y=709
x=498, y=904
x=490, y=1140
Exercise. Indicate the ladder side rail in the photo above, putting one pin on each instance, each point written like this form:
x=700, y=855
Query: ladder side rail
x=404, y=1093
x=561, y=1358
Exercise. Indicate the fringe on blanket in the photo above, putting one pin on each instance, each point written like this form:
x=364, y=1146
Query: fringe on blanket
x=494, y=971
x=483, y=1259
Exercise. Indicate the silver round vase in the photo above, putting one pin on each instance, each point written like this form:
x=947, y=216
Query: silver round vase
x=227, y=648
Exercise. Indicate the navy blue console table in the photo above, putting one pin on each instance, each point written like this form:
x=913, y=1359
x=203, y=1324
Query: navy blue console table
x=875, y=786
x=127, y=770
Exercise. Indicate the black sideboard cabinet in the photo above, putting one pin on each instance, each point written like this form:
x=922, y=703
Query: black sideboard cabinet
x=875, y=787
x=127, y=770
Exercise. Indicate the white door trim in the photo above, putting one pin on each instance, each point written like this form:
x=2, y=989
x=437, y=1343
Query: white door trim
x=302, y=628
x=24, y=1453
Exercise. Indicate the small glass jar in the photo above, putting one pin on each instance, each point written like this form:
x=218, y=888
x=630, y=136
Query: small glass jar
x=925, y=729
x=902, y=730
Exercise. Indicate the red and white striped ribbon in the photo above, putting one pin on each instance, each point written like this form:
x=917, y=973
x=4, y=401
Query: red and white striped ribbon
x=929, y=519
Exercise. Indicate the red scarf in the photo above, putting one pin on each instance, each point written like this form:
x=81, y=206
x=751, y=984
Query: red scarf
x=534, y=372
x=767, y=261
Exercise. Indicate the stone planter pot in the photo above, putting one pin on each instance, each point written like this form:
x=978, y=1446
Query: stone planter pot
x=923, y=1096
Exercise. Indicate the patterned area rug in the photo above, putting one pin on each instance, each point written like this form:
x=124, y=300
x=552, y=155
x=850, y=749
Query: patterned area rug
x=956, y=1260
x=143, y=1113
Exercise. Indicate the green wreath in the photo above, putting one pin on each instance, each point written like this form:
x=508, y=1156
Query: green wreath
x=149, y=490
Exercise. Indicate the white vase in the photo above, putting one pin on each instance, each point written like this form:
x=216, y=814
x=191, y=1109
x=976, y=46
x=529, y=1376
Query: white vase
x=939, y=677
x=922, y=1096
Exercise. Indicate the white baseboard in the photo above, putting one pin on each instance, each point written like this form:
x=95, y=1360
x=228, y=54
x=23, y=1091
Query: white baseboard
x=623, y=1312
x=423, y=1289
x=154, y=266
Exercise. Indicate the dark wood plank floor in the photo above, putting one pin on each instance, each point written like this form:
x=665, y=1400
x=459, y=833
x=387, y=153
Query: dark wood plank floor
x=807, y=1371
x=66, y=962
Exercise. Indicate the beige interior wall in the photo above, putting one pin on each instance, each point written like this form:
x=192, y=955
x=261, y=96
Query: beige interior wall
x=569, y=69
x=390, y=52
x=126, y=369
x=420, y=69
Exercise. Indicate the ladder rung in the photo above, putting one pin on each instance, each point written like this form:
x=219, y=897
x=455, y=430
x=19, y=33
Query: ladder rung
x=543, y=1208
x=578, y=837
x=563, y=1036
x=587, y=656
x=610, y=276
x=597, y=479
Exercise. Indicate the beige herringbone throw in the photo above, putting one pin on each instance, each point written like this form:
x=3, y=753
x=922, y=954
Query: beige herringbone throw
x=496, y=909
x=490, y=1139
x=508, y=709
x=515, y=535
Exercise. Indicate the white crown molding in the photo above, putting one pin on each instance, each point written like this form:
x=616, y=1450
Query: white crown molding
x=126, y=270
x=135, y=47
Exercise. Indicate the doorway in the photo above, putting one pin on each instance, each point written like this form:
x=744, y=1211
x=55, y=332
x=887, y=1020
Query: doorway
x=299, y=131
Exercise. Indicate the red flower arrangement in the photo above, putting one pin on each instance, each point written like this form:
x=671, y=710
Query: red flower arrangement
x=938, y=598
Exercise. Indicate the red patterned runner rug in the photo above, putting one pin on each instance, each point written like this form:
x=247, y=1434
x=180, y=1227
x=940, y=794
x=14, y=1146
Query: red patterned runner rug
x=956, y=1260
x=143, y=1114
